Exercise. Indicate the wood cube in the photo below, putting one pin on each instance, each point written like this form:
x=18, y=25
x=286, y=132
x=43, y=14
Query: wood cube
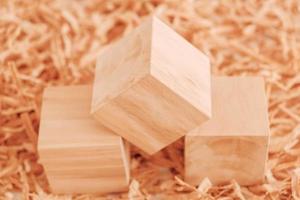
x=233, y=143
x=78, y=154
x=152, y=87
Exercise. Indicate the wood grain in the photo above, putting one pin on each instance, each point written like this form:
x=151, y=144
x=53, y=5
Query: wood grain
x=76, y=150
x=88, y=185
x=152, y=87
x=233, y=143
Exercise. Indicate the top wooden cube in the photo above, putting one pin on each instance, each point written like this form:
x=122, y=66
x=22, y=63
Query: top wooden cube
x=152, y=87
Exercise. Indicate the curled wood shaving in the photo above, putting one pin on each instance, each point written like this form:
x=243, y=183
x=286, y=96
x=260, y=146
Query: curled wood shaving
x=134, y=191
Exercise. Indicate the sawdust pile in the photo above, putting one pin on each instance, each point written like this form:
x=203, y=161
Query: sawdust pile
x=56, y=42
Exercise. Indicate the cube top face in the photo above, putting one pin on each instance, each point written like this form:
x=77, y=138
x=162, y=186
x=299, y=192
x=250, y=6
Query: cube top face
x=152, y=87
x=66, y=115
x=239, y=108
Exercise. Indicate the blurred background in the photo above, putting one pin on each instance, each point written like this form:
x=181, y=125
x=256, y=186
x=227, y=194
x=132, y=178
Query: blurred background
x=56, y=42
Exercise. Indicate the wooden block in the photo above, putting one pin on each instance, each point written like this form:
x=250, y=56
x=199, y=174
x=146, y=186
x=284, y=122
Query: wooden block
x=233, y=143
x=78, y=154
x=152, y=86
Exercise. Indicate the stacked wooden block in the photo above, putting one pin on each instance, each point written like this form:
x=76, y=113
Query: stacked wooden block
x=151, y=88
x=79, y=154
x=233, y=143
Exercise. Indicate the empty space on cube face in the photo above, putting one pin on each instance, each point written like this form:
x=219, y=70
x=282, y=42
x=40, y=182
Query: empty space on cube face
x=233, y=143
x=152, y=87
x=72, y=145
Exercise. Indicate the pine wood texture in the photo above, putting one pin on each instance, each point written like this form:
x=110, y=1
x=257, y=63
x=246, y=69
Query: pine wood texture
x=233, y=143
x=152, y=87
x=78, y=154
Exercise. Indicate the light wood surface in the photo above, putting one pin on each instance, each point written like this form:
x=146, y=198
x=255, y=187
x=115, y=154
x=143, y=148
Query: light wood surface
x=78, y=154
x=152, y=87
x=233, y=143
x=88, y=185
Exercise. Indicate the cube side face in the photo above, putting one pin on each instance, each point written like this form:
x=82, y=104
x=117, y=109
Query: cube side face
x=74, y=147
x=181, y=67
x=149, y=115
x=222, y=159
x=101, y=166
x=121, y=65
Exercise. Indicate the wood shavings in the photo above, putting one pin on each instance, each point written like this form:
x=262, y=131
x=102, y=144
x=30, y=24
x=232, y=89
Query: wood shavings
x=296, y=184
x=184, y=186
x=32, y=135
x=57, y=42
x=204, y=187
x=25, y=185
x=134, y=191
x=237, y=190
